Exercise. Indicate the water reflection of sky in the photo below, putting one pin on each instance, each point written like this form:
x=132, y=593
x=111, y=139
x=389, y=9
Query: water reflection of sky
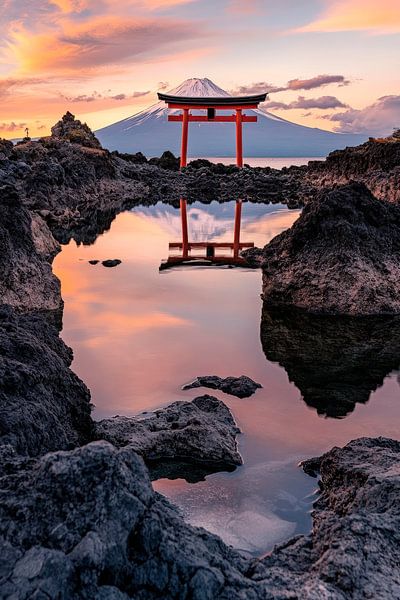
x=138, y=336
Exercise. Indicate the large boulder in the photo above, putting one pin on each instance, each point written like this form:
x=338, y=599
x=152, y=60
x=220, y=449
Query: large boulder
x=342, y=256
x=43, y=405
x=184, y=439
x=26, y=249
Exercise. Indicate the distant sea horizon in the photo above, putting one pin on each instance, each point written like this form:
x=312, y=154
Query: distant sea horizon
x=276, y=162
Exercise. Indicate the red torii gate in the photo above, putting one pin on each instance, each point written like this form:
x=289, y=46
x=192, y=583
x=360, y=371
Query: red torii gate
x=211, y=105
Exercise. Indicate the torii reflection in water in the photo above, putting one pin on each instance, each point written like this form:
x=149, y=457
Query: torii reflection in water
x=190, y=107
x=209, y=254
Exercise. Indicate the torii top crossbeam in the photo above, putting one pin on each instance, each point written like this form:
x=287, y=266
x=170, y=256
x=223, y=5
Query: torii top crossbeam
x=212, y=104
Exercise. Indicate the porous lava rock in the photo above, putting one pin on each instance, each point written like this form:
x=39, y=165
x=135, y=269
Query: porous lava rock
x=43, y=405
x=86, y=524
x=242, y=386
x=341, y=256
x=201, y=433
x=71, y=129
x=375, y=163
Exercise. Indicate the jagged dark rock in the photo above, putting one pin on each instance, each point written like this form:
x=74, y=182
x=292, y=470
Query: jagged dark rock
x=335, y=361
x=375, y=163
x=201, y=433
x=26, y=249
x=44, y=405
x=341, y=256
x=166, y=161
x=87, y=524
x=71, y=129
x=242, y=386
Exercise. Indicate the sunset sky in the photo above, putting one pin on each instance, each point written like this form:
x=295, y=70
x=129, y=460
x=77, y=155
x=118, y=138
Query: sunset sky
x=333, y=64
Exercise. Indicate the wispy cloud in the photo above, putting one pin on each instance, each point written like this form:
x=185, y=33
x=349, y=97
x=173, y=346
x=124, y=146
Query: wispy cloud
x=316, y=82
x=11, y=127
x=351, y=15
x=322, y=103
x=294, y=84
x=97, y=96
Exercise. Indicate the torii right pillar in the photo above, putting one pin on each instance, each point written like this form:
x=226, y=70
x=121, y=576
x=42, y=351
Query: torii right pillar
x=239, y=163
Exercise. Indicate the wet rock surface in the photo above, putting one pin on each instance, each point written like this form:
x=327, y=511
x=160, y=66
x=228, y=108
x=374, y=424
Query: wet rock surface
x=336, y=362
x=242, y=386
x=200, y=433
x=87, y=524
x=341, y=256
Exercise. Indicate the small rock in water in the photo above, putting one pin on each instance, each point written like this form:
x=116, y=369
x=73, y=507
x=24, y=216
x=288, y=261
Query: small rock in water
x=242, y=386
x=111, y=262
x=93, y=262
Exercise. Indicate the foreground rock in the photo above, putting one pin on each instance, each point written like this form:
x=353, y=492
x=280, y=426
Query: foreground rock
x=188, y=439
x=342, y=256
x=43, y=405
x=27, y=249
x=242, y=386
x=87, y=524
x=335, y=361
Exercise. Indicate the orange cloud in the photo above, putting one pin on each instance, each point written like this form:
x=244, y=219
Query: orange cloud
x=85, y=47
x=352, y=15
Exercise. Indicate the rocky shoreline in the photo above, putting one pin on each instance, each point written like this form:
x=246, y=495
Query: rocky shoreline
x=79, y=518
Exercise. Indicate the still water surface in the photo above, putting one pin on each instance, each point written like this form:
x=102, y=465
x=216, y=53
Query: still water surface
x=138, y=335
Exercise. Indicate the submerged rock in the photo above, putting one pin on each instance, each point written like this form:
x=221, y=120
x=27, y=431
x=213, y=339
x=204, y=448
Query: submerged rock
x=111, y=262
x=43, y=405
x=342, y=256
x=335, y=361
x=87, y=524
x=200, y=433
x=242, y=386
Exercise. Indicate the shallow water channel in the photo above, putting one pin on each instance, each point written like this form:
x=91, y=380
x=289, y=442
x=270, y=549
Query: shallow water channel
x=138, y=335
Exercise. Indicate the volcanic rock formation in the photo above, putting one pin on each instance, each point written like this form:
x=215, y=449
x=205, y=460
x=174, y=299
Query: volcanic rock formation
x=375, y=163
x=87, y=524
x=342, y=256
x=44, y=405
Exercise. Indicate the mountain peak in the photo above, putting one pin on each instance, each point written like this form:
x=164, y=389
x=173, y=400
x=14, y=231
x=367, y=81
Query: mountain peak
x=199, y=87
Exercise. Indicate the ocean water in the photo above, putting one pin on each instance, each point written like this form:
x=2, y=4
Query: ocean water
x=138, y=335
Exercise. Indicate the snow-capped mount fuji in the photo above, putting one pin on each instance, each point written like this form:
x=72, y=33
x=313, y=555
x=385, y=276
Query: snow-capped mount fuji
x=150, y=132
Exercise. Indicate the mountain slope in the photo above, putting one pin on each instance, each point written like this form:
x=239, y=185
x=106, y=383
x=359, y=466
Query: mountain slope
x=150, y=132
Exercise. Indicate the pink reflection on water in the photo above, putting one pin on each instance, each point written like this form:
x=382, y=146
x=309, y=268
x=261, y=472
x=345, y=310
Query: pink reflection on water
x=138, y=336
